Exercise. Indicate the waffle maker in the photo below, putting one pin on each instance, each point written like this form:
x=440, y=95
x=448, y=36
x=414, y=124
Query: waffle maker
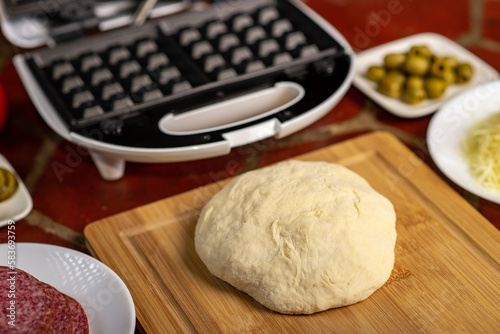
x=194, y=81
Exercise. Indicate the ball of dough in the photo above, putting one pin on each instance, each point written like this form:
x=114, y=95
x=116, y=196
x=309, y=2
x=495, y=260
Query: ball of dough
x=299, y=237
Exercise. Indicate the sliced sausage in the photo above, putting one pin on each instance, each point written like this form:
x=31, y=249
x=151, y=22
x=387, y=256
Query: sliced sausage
x=25, y=304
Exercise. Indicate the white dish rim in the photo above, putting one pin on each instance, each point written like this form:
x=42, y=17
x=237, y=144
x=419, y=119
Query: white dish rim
x=447, y=129
x=31, y=266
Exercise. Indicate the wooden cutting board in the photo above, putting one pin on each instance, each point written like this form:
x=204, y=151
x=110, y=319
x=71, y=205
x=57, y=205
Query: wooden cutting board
x=446, y=277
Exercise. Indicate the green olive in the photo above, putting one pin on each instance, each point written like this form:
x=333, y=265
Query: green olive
x=414, y=95
x=418, y=74
x=414, y=82
x=390, y=86
x=452, y=61
x=435, y=87
x=420, y=50
x=418, y=65
x=397, y=75
x=433, y=58
x=375, y=73
x=439, y=67
x=394, y=60
x=450, y=77
x=464, y=72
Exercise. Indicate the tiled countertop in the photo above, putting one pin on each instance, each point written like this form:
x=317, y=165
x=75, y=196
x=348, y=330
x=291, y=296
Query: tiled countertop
x=68, y=192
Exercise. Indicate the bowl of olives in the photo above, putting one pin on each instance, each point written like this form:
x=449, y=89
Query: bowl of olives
x=15, y=200
x=414, y=76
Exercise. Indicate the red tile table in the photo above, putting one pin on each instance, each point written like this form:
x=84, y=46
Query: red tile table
x=65, y=203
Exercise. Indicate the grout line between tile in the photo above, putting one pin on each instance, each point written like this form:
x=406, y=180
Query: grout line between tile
x=36, y=218
x=41, y=161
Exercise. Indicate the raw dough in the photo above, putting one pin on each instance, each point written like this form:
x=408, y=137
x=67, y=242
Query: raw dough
x=299, y=237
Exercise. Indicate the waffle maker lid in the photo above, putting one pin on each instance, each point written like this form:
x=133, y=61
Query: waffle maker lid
x=275, y=111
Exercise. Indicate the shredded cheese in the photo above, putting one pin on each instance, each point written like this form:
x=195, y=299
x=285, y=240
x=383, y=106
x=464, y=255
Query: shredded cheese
x=481, y=150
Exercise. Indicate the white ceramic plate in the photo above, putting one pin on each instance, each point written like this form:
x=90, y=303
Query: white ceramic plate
x=18, y=206
x=103, y=295
x=441, y=46
x=448, y=128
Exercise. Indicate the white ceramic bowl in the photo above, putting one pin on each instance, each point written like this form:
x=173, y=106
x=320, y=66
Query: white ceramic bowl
x=448, y=129
x=102, y=294
x=441, y=46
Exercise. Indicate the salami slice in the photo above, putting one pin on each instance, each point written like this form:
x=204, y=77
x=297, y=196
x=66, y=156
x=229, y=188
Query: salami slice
x=78, y=317
x=62, y=316
x=25, y=303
